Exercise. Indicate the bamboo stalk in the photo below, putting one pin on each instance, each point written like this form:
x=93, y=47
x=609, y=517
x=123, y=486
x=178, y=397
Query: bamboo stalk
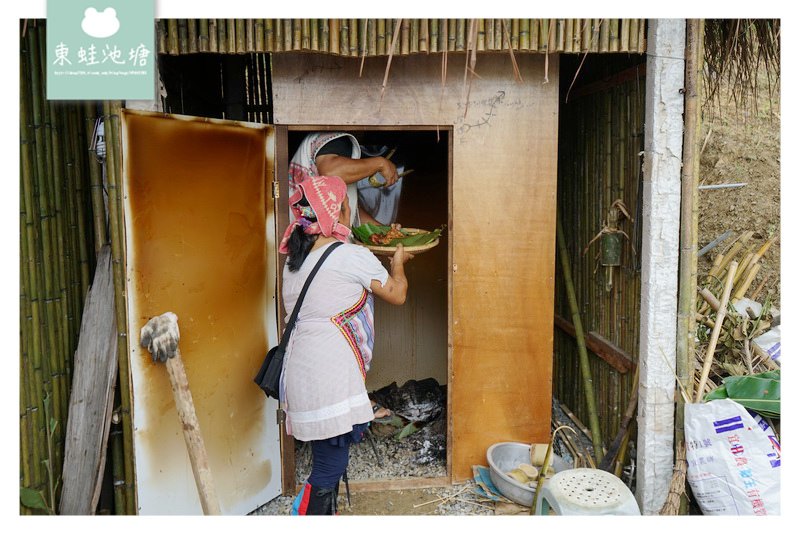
x=161, y=36
x=744, y=286
x=514, y=34
x=172, y=36
x=735, y=248
x=344, y=36
x=634, y=38
x=604, y=35
x=334, y=36
x=450, y=35
x=249, y=36
x=460, y=35
x=687, y=268
x=613, y=35
x=213, y=36
x=760, y=286
x=183, y=36
x=313, y=30
x=642, y=48
x=372, y=38
x=234, y=36
x=413, y=36
x=32, y=278
x=324, y=35
x=625, y=35
x=297, y=34
x=712, y=343
x=222, y=36
x=192, y=31
x=583, y=355
x=352, y=47
x=269, y=35
x=203, y=35
x=561, y=27
x=112, y=112
x=405, y=37
x=118, y=470
x=586, y=36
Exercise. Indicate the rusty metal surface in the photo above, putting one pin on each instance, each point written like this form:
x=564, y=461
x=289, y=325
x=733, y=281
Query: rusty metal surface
x=199, y=244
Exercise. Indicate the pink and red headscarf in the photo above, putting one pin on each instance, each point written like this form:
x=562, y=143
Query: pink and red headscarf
x=325, y=195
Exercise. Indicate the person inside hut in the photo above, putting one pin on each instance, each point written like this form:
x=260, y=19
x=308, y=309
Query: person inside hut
x=322, y=386
x=340, y=154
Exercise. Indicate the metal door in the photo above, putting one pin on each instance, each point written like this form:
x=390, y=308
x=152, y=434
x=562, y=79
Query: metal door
x=200, y=242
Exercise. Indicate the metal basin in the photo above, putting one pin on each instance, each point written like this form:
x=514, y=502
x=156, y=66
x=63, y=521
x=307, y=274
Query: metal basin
x=506, y=456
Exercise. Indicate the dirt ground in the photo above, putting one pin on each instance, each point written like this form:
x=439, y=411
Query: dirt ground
x=742, y=146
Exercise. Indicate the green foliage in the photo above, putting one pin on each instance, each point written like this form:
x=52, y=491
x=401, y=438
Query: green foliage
x=33, y=499
x=363, y=232
x=759, y=392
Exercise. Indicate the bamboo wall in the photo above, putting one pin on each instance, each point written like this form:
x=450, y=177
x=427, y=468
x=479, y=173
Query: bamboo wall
x=601, y=135
x=374, y=37
x=62, y=226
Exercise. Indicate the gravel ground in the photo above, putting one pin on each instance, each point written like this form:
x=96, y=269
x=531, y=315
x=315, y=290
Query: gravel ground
x=421, y=454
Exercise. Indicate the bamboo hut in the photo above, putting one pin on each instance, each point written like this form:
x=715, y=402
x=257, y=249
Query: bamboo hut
x=543, y=117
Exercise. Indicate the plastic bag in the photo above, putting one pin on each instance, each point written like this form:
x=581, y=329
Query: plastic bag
x=770, y=342
x=733, y=460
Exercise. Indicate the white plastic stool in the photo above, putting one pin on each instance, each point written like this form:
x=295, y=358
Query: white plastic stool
x=586, y=491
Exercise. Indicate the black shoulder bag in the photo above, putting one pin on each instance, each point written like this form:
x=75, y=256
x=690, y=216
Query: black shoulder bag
x=269, y=375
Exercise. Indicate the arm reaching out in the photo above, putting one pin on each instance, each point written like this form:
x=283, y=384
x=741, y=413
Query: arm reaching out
x=352, y=170
x=396, y=287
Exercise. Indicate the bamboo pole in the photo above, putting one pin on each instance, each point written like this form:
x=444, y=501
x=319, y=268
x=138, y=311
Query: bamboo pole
x=234, y=36
x=687, y=266
x=32, y=377
x=625, y=35
x=642, y=48
x=333, y=32
x=311, y=34
x=371, y=48
x=222, y=36
x=172, y=36
x=613, y=35
x=112, y=112
x=297, y=33
x=269, y=35
x=712, y=343
x=583, y=355
x=460, y=35
x=191, y=28
x=760, y=286
x=450, y=34
x=202, y=35
x=183, y=36
x=634, y=38
x=604, y=35
x=213, y=36
x=249, y=35
x=324, y=35
x=744, y=286
x=405, y=31
x=161, y=36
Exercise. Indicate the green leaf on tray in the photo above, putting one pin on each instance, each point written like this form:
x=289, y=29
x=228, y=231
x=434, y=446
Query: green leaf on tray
x=363, y=232
x=759, y=392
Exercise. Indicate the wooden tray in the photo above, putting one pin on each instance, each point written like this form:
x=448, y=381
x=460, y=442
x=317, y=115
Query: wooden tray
x=390, y=250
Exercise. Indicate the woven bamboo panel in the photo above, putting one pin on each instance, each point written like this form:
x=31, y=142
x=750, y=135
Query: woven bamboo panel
x=376, y=37
x=601, y=137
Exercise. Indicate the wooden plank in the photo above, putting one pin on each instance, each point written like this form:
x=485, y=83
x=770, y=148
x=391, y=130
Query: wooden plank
x=402, y=483
x=499, y=378
x=603, y=348
x=92, y=395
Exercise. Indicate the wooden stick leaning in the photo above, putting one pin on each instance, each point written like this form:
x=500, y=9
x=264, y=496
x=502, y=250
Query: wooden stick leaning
x=712, y=343
x=191, y=433
x=160, y=336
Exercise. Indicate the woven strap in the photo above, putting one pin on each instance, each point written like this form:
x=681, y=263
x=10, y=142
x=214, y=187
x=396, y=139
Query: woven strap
x=290, y=325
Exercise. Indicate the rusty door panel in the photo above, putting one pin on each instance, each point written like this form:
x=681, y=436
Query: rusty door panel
x=200, y=242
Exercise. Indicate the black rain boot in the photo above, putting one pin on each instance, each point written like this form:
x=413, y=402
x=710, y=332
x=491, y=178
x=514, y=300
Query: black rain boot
x=321, y=501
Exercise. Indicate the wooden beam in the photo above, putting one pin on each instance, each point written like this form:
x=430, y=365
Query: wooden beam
x=603, y=348
x=398, y=483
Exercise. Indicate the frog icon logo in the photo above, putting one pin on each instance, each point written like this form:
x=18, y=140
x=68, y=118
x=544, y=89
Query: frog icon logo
x=100, y=25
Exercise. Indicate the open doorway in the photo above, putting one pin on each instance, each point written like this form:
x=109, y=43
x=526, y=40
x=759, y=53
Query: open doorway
x=411, y=355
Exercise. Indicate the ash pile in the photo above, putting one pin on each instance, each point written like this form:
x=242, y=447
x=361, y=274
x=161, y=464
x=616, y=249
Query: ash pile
x=411, y=443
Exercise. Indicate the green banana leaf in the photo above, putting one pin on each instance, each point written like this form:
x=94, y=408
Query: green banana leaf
x=363, y=232
x=759, y=392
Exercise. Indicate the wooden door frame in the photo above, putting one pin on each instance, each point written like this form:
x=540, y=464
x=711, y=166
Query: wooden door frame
x=289, y=465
